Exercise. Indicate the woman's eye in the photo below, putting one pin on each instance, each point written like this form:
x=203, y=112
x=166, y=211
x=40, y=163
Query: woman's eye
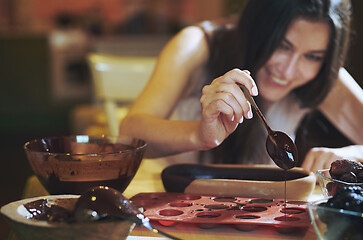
x=283, y=46
x=314, y=57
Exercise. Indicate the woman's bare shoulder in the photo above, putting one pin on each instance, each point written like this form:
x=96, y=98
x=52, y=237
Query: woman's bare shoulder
x=184, y=53
x=188, y=47
x=191, y=35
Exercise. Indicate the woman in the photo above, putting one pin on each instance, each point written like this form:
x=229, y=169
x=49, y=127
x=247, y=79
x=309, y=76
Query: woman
x=292, y=52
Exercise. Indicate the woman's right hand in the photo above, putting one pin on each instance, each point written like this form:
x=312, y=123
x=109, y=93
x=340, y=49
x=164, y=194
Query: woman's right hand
x=224, y=106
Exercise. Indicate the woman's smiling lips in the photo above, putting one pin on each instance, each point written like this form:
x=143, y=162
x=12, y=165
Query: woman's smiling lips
x=279, y=81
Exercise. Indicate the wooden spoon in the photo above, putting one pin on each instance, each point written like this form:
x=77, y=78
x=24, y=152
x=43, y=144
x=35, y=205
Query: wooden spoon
x=279, y=145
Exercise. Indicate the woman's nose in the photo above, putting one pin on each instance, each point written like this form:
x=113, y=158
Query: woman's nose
x=290, y=67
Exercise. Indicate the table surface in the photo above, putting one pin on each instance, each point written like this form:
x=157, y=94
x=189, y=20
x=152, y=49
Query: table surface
x=148, y=179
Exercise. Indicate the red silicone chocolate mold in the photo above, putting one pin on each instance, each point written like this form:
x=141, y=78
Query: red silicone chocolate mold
x=245, y=214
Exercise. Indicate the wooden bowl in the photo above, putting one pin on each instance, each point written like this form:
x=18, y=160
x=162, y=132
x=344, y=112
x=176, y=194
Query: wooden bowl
x=29, y=229
x=258, y=181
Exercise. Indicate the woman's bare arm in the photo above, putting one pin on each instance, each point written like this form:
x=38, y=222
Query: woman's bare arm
x=344, y=107
x=147, y=118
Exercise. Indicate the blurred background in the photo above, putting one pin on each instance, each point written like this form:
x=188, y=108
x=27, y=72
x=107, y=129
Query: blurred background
x=46, y=84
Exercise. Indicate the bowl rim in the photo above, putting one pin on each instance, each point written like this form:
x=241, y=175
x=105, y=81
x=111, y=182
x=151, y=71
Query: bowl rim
x=139, y=148
x=315, y=204
x=15, y=213
x=319, y=173
x=11, y=211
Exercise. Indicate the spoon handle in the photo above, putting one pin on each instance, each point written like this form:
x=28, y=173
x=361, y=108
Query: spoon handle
x=254, y=105
x=153, y=229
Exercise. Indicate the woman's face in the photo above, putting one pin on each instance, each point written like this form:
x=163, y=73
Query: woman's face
x=296, y=61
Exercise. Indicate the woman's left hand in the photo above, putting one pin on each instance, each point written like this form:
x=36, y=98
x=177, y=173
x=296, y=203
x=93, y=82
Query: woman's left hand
x=321, y=157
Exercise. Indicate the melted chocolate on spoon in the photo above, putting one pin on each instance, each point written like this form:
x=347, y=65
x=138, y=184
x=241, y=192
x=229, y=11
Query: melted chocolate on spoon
x=281, y=149
x=279, y=145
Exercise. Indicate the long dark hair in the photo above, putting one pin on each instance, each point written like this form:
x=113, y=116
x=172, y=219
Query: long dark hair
x=259, y=31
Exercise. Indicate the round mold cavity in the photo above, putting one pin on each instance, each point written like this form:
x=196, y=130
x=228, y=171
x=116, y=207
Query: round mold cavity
x=261, y=200
x=167, y=223
x=208, y=215
x=247, y=216
x=216, y=206
x=224, y=199
x=170, y=212
x=254, y=208
x=246, y=227
x=188, y=197
x=180, y=204
x=289, y=210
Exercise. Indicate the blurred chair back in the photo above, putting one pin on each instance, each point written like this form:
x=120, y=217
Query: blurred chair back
x=118, y=80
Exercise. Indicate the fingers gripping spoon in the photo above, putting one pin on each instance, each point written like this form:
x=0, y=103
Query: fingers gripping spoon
x=279, y=145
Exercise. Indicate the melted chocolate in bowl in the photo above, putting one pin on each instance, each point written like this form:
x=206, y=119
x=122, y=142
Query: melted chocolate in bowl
x=104, y=201
x=55, y=186
x=72, y=165
x=45, y=210
x=97, y=203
